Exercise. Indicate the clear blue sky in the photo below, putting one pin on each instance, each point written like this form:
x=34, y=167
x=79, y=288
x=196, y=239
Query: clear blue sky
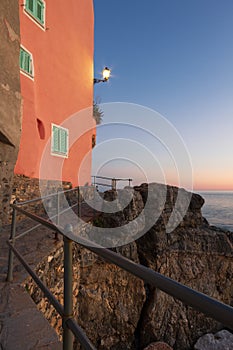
x=175, y=57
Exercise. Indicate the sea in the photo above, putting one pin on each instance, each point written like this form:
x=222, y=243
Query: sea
x=218, y=208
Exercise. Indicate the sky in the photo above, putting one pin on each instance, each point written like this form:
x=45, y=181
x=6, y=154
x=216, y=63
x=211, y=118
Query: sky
x=173, y=57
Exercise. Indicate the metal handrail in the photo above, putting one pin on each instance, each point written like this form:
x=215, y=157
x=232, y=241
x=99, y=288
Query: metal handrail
x=51, y=217
x=69, y=322
x=113, y=180
x=38, y=281
x=209, y=306
x=101, y=184
x=74, y=189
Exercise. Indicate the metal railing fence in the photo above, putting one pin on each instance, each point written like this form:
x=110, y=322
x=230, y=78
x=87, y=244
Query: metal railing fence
x=70, y=326
x=112, y=181
x=209, y=306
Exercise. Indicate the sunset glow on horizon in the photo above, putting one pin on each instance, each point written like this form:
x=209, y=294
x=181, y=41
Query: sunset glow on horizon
x=187, y=48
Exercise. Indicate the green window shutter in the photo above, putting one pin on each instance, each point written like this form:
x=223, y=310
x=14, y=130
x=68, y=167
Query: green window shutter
x=55, y=138
x=21, y=58
x=25, y=61
x=36, y=8
x=30, y=65
x=63, y=141
x=59, y=140
x=40, y=11
x=31, y=5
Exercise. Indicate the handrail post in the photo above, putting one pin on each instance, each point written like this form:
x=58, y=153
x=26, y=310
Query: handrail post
x=57, y=211
x=114, y=184
x=57, y=208
x=12, y=238
x=68, y=290
x=79, y=203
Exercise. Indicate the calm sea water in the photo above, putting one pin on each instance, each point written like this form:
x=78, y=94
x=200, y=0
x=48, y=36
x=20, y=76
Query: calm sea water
x=218, y=209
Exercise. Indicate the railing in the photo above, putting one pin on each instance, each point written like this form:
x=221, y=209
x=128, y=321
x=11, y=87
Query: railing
x=70, y=326
x=201, y=302
x=112, y=181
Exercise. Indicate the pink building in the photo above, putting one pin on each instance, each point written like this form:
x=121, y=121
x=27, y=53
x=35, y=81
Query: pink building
x=56, y=66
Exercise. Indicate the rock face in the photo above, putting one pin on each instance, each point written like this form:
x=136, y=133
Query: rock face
x=220, y=340
x=117, y=310
x=193, y=254
x=107, y=301
x=158, y=346
x=111, y=297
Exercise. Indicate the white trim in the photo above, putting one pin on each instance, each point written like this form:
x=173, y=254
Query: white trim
x=40, y=25
x=67, y=142
x=26, y=75
x=31, y=76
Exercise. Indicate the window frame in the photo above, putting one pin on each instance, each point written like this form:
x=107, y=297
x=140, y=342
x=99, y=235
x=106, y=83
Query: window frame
x=58, y=152
x=33, y=14
x=29, y=73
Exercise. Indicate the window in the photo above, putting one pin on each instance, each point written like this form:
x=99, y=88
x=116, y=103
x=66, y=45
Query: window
x=36, y=8
x=25, y=61
x=59, y=144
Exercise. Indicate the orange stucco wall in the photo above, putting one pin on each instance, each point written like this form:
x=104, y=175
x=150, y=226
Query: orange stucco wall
x=62, y=86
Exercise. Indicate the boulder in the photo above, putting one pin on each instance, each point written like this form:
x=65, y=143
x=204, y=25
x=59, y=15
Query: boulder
x=218, y=341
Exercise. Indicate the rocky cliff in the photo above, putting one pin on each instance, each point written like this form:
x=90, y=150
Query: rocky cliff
x=194, y=254
x=116, y=309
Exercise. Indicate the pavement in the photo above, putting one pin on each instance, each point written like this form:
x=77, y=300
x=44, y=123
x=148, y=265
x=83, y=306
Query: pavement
x=22, y=325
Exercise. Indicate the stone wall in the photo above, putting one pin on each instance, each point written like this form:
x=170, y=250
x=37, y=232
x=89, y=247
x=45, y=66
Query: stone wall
x=6, y=179
x=117, y=310
x=10, y=100
x=25, y=188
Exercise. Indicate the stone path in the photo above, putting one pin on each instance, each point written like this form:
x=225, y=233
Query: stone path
x=22, y=325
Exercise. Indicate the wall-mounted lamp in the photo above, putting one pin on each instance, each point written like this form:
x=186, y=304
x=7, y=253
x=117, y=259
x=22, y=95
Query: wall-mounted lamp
x=106, y=74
